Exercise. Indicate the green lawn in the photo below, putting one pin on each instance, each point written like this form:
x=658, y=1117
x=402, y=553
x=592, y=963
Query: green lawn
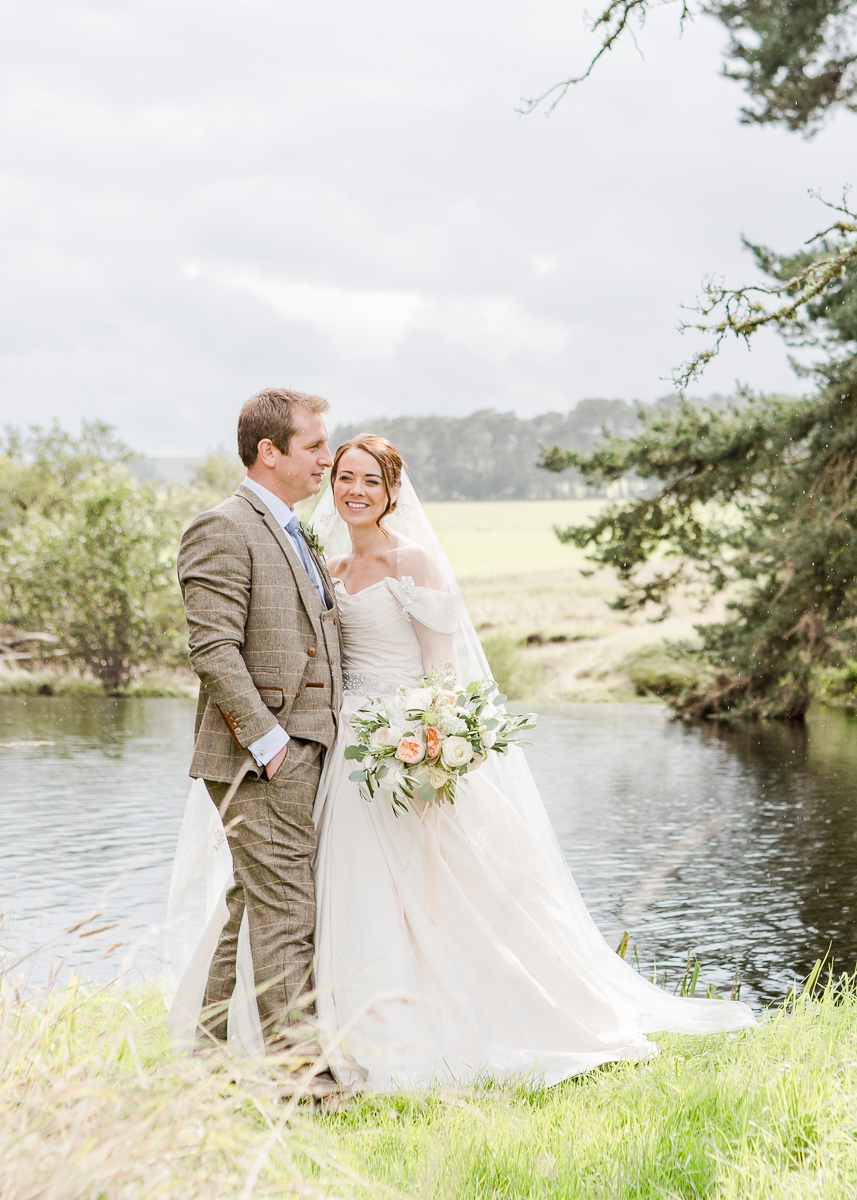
x=508, y=537
x=92, y=1107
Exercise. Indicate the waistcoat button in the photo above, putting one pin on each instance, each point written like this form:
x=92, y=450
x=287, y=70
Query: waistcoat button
x=311, y=651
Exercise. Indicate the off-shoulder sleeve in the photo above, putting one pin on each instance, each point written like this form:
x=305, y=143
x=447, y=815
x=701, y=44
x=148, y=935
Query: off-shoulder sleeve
x=435, y=610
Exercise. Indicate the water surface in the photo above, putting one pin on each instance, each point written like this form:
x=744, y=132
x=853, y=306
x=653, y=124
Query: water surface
x=740, y=845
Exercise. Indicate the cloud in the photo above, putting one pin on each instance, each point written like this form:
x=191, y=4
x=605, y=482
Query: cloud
x=363, y=211
x=374, y=323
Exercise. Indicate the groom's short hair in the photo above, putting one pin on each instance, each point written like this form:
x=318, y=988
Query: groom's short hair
x=271, y=414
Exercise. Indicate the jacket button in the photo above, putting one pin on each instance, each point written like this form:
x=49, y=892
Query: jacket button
x=334, y=620
x=297, y=695
x=311, y=651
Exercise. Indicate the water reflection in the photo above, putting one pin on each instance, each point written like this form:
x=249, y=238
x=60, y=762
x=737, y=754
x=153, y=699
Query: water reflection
x=90, y=821
x=739, y=844
x=765, y=815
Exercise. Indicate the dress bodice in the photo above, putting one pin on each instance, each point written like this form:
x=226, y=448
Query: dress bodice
x=378, y=634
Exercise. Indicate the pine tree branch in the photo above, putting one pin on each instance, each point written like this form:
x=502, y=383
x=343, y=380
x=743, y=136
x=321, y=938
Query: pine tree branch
x=613, y=21
x=743, y=309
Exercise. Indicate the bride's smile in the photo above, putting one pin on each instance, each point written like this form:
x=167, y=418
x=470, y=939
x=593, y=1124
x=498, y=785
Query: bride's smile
x=359, y=489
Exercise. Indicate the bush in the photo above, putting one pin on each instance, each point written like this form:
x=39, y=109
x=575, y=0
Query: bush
x=838, y=685
x=658, y=670
x=514, y=675
x=100, y=575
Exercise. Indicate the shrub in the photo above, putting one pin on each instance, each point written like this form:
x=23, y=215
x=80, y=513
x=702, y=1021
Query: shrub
x=99, y=574
x=657, y=670
x=509, y=666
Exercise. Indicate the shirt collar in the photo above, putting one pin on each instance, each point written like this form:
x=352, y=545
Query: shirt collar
x=280, y=511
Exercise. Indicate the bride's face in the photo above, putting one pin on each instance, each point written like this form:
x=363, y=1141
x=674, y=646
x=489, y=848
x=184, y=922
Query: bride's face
x=359, y=491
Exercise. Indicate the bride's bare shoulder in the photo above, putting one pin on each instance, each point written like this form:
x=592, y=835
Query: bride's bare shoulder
x=337, y=565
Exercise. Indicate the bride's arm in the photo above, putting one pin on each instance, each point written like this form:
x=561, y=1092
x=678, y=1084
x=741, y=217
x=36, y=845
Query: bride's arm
x=437, y=647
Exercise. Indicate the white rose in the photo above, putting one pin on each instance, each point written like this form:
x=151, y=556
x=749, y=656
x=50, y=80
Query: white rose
x=489, y=737
x=385, y=735
x=437, y=777
x=456, y=752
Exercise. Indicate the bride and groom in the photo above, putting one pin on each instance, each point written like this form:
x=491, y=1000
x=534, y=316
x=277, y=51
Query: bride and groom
x=441, y=945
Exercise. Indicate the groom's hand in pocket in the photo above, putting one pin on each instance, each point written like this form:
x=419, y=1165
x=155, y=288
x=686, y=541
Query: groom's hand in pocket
x=272, y=767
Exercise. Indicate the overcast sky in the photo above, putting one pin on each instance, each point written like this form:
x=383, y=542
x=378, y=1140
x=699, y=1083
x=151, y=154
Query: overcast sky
x=204, y=197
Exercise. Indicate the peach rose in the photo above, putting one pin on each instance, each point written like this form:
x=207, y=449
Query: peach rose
x=433, y=740
x=411, y=750
x=446, y=698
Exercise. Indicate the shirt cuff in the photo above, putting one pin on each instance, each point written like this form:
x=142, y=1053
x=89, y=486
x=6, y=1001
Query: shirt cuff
x=269, y=745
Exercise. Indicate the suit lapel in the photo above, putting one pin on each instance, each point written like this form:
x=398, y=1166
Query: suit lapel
x=305, y=587
x=327, y=582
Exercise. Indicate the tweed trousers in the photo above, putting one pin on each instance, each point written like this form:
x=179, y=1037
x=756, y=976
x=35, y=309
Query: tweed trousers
x=272, y=847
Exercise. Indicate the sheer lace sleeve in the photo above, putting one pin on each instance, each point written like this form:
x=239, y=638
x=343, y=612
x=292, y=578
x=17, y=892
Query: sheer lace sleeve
x=428, y=604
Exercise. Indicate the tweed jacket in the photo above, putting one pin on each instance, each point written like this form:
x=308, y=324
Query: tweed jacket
x=265, y=650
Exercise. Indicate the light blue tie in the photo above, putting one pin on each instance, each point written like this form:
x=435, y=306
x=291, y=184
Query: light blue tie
x=294, y=528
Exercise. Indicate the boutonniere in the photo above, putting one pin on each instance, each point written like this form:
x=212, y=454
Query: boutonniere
x=312, y=541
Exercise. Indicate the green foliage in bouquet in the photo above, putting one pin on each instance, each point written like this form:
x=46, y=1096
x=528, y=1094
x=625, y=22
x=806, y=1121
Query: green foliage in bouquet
x=419, y=746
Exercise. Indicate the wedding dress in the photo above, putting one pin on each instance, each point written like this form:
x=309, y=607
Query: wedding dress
x=452, y=944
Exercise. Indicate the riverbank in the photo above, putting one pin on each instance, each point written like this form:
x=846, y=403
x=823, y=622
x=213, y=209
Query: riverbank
x=91, y=1104
x=48, y=681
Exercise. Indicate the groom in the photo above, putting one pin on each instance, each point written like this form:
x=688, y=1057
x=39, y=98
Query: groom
x=264, y=640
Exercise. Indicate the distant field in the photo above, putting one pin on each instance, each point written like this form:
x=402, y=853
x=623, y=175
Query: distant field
x=508, y=537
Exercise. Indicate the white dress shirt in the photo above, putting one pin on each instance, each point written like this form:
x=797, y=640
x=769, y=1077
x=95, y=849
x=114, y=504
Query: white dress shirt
x=270, y=744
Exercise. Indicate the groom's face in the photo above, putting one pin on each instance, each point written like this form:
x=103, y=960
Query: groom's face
x=299, y=473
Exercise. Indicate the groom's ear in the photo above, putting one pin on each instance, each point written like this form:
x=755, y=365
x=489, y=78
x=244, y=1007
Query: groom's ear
x=265, y=451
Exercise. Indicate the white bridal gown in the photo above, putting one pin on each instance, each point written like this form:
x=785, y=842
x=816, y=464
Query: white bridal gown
x=450, y=944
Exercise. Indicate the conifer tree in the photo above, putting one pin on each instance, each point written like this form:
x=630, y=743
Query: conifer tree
x=759, y=499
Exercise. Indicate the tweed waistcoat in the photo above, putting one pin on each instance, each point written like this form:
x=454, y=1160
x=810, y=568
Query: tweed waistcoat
x=265, y=650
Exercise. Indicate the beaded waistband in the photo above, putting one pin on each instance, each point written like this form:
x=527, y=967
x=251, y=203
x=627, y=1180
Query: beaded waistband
x=368, y=685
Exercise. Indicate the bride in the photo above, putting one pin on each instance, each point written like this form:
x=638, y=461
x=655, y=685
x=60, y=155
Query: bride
x=451, y=941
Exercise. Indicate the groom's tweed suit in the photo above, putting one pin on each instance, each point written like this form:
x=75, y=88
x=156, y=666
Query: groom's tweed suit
x=266, y=652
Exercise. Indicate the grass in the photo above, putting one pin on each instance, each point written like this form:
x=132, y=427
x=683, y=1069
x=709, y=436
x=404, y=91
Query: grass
x=92, y=1107
x=501, y=537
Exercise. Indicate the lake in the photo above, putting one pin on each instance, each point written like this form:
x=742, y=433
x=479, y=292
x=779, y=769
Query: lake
x=739, y=845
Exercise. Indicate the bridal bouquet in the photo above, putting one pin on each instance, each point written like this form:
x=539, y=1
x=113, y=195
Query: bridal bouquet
x=419, y=744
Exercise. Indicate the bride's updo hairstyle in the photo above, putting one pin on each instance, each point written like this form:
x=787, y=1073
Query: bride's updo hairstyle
x=386, y=456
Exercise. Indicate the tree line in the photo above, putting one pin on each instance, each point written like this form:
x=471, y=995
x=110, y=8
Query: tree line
x=493, y=456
